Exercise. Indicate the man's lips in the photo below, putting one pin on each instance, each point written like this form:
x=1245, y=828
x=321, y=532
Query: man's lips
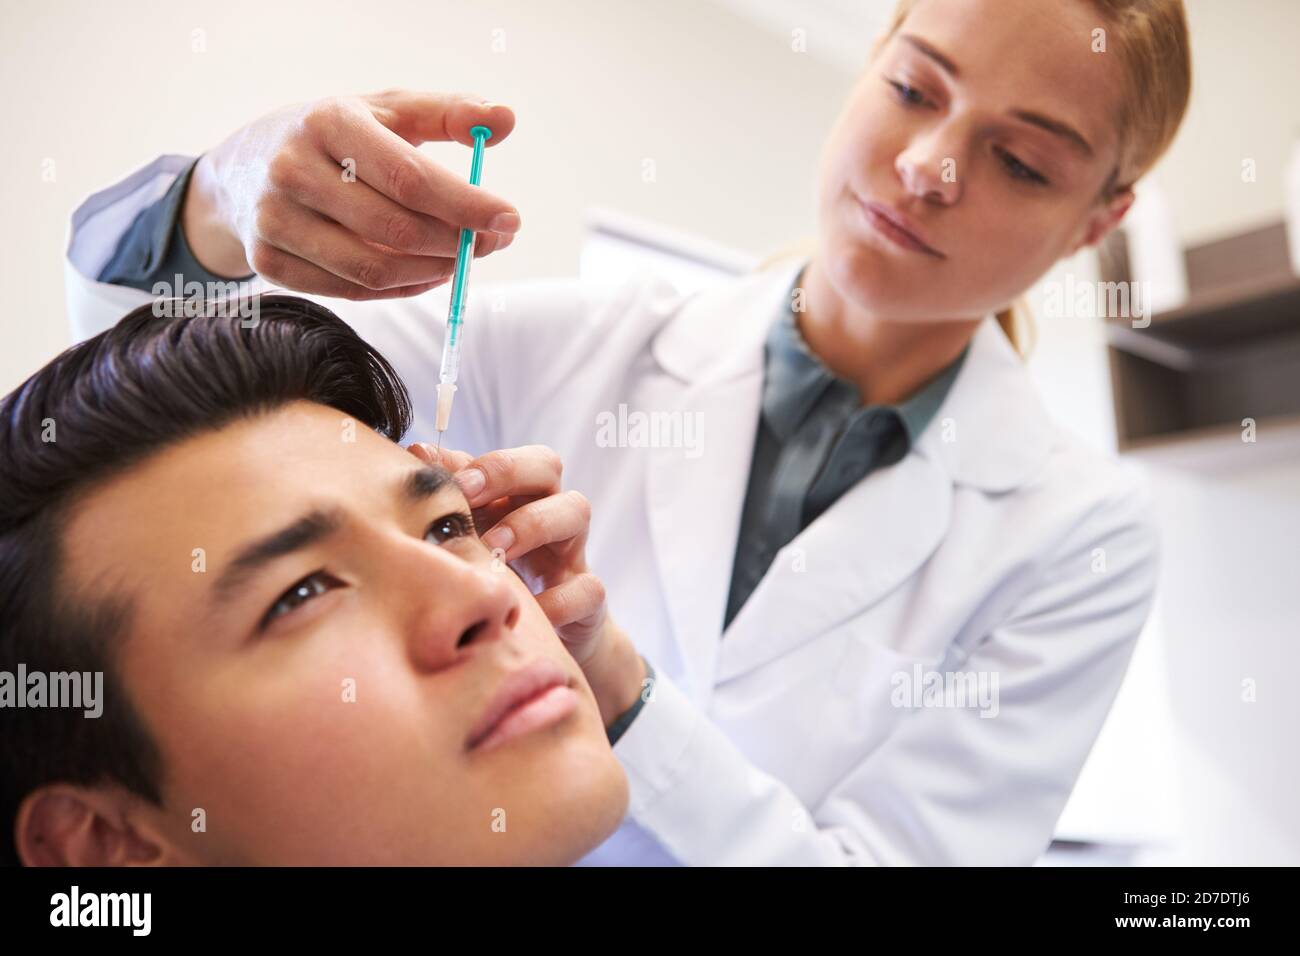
x=528, y=699
x=896, y=227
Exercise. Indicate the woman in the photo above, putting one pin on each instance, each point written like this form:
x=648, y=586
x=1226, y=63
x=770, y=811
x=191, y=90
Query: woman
x=875, y=511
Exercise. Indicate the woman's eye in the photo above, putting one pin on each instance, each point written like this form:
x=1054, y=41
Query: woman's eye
x=455, y=525
x=907, y=94
x=312, y=586
x=1019, y=170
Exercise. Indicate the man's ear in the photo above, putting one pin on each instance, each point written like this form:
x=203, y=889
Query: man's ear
x=1104, y=218
x=70, y=825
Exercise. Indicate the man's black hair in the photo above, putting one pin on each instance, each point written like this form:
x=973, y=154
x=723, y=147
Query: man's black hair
x=93, y=412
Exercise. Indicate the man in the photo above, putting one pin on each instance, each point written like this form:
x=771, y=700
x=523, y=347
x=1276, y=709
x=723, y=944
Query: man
x=308, y=656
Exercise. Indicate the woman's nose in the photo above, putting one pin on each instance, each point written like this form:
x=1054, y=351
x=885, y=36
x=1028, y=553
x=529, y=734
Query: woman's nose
x=455, y=605
x=929, y=168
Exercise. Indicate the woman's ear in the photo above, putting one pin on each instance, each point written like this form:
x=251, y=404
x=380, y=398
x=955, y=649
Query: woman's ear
x=1102, y=219
x=68, y=825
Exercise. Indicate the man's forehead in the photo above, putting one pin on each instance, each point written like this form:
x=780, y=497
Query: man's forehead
x=231, y=482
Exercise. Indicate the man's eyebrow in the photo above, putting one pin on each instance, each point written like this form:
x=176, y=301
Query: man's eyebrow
x=304, y=532
x=315, y=526
x=1053, y=126
x=426, y=482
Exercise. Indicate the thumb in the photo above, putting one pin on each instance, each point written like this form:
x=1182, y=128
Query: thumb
x=420, y=117
x=452, y=461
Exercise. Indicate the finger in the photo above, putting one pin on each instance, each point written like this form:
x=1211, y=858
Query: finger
x=401, y=172
x=445, y=458
x=309, y=235
x=361, y=209
x=489, y=515
x=577, y=599
x=420, y=117
x=531, y=469
x=556, y=518
x=487, y=243
x=287, y=271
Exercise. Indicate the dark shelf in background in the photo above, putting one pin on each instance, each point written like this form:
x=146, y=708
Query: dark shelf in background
x=1231, y=352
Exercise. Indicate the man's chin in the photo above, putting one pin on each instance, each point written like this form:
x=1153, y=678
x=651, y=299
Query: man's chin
x=571, y=793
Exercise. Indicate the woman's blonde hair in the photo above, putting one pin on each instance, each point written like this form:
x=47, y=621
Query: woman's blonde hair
x=1151, y=39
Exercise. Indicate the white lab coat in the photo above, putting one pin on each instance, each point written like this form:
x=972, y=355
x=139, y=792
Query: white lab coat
x=999, y=545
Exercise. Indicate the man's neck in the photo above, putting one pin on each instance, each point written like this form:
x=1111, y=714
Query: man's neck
x=888, y=361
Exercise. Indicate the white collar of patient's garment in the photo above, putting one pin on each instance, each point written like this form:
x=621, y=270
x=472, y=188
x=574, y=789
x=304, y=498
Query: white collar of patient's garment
x=991, y=432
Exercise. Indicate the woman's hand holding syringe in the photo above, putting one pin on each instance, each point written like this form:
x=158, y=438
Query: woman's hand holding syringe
x=333, y=198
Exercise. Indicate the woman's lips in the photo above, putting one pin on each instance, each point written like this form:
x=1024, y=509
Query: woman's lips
x=531, y=698
x=890, y=224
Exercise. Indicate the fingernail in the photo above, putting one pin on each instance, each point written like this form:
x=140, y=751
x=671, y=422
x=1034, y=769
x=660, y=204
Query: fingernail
x=499, y=537
x=505, y=222
x=471, y=481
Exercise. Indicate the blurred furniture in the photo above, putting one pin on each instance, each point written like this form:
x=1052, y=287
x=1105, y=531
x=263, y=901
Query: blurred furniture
x=1230, y=352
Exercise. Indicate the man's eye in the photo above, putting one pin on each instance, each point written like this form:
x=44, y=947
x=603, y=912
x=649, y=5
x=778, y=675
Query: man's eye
x=455, y=525
x=312, y=586
x=909, y=95
x=1018, y=170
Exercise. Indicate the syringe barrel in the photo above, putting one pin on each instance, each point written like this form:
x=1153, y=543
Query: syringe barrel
x=450, y=370
x=451, y=346
x=456, y=309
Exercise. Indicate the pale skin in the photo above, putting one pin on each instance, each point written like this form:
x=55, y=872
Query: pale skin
x=997, y=196
x=321, y=709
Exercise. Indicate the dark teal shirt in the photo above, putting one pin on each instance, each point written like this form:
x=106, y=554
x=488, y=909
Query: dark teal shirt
x=815, y=440
x=154, y=248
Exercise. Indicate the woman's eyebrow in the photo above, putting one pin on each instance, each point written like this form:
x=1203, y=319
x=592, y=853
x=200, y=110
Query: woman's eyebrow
x=1055, y=127
x=926, y=49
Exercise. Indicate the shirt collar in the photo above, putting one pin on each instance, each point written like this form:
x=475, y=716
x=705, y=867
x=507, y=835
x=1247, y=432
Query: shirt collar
x=795, y=380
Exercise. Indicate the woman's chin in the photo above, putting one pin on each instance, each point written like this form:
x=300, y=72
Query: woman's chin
x=863, y=276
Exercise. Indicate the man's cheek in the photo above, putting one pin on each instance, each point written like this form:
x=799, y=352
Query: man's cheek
x=343, y=717
x=533, y=622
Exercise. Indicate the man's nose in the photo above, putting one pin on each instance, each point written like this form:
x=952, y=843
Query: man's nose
x=454, y=605
x=930, y=166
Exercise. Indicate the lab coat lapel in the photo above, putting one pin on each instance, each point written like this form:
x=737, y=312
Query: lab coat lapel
x=694, y=508
x=875, y=537
x=712, y=352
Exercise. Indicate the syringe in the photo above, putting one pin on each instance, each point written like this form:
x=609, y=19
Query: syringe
x=455, y=315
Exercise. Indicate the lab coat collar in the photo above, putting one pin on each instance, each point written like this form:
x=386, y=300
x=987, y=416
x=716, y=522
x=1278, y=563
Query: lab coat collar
x=991, y=432
x=718, y=333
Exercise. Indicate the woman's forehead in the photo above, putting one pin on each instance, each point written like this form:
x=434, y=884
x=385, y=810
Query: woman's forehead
x=1024, y=55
